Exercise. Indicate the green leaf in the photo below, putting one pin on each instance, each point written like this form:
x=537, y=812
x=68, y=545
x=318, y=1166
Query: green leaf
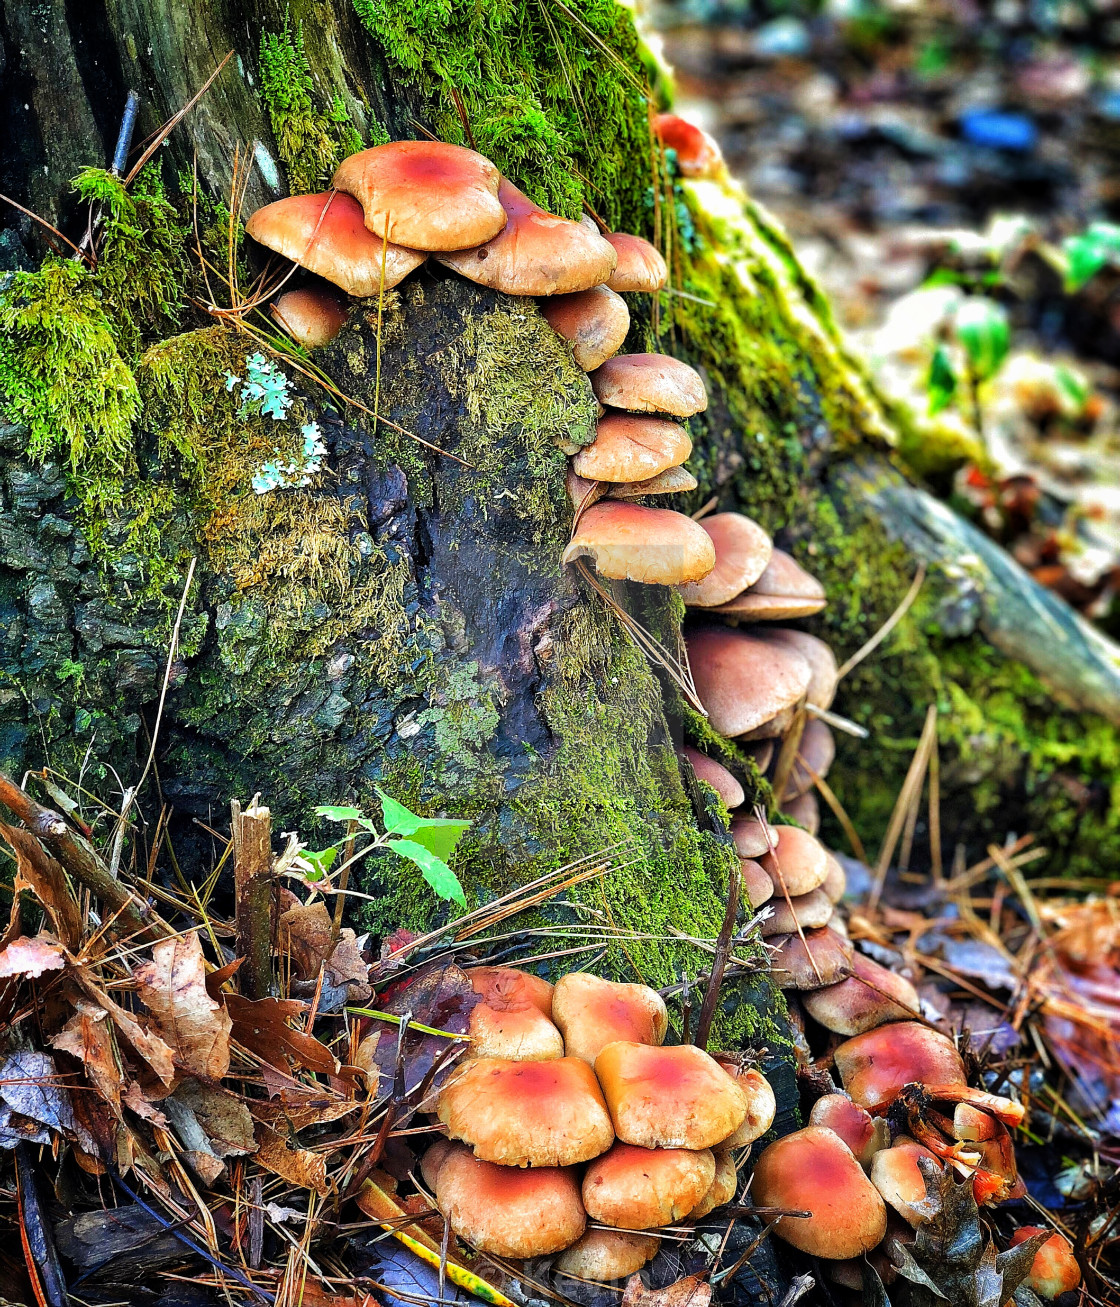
x=941, y=384
x=1090, y=251
x=434, y=870
x=1074, y=387
x=439, y=835
x=322, y=860
x=398, y=819
x=982, y=328
x=338, y=814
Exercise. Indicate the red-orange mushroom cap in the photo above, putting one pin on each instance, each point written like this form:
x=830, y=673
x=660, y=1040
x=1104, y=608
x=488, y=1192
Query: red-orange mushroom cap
x=426, y=195
x=871, y=996
x=783, y=590
x=512, y=1021
x=813, y=1170
x=874, y=1066
x=715, y=775
x=677, y=1097
x=650, y=383
x=640, y=266
x=326, y=235
x=592, y=1013
x=594, y=322
x=722, y=1189
x=1054, y=1269
x=509, y=1212
x=311, y=316
x=863, y=1133
x=629, y=448
x=762, y=1106
x=744, y=683
x=630, y=542
x=743, y=550
x=535, y=253
x=606, y=1255
x=897, y=1176
x=698, y=154
x=527, y=1113
x=643, y=1188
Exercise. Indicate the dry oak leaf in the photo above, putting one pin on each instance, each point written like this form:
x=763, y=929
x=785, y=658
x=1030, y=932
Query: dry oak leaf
x=46, y=878
x=692, y=1291
x=145, y=1043
x=261, y=1025
x=31, y=956
x=296, y=1165
x=88, y=1037
x=172, y=987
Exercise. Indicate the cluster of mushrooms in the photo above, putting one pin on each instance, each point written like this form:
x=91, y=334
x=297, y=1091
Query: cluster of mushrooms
x=580, y=1132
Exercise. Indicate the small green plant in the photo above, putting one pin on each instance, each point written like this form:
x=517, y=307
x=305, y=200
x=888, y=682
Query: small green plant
x=1097, y=247
x=980, y=330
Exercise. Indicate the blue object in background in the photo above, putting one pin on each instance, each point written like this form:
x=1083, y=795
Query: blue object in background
x=996, y=130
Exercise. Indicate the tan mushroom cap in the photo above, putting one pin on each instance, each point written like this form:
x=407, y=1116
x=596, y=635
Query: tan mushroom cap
x=809, y=911
x=676, y=1097
x=509, y=1212
x=813, y=1170
x=756, y=882
x=594, y=322
x=673, y=481
x=784, y=590
x=630, y=542
x=434, y=1157
x=629, y=448
x=804, y=809
x=311, y=317
x=650, y=383
x=581, y=492
x=874, y=1066
x=640, y=265
x=821, y=660
x=752, y=838
x=836, y=881
x=527, y=1113
x=743, y=550
x=698, y=154
x=535, y=253
x=802, y=862
x=863, y=1133
x=816, y=751
x=762, y=1106
x=335, y=245
x=744, y=683
x=715, y=775
x=871, y=996
x=511, y=1020
x=823, y=957
x=722, y=1189
x=761, y=750
x=592, y=1012
x=426, y=195
x=895, y=1173
x=644, y=1188
x=605, y=1255
x=1055, y=1269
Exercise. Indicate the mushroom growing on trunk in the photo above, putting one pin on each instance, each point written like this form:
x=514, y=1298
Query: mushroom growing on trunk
x=650, y=383
x=592, y=1013
x=642, y=1188
x=629, y=542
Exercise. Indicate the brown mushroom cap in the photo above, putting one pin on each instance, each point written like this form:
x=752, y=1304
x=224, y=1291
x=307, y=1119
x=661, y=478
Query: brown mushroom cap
x=757, y=883
x=863, y=1133
x=874, y=1066
x=650, y=383
x=640, y=265
x=676, y=1097
x=722, y=1189
x=813, y=1170
x=783, y=590
x=802, y=861
x=630, y=542
x=509, y=1212
x=895, y=1173
x=628, y=448
x=511, y=1020
x=535, y=253
x=594, y=322
x=1054, y=1269
x=673, y=481
x=823, y=957
x=809, y=911
x=762, y=751
x=698, y=154
x=821, y=660
x=815, y=750
x=715, y=775
x=742, y=682
x=871, y=996
x=804, y=809
x=335, y=245
x=527, y=1113
x=743, y=550
x=435, y=1156
x=752, y=839
x=761, y=1103
x=644, y=1188
x=312, y=317
x=836, y=881
x=592, y=1013
x=426, y=195
x=606, y=1255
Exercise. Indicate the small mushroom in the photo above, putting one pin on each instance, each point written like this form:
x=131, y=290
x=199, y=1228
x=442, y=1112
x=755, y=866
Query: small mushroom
x=756, y=882
x=592, y=1013
x=643, y=1188
x=762, y=1106
x=874, y=1066
x=822, y=957
x=676, y=1097
x=836, y=880
x=673, y=481
x=513, y=1021
x=752, y=838
x=650, y=383
x=743, y=550
x=1054, y=1269
x=815, y=753
x=630, y=542
x=745, y=684
x=640, y=266
x=426, y=195
x=805, y=810
x=312, y=317
x=871, y=996
x=535, y=253
x=762, y=751
x=722, y=1188
x=864, y=1134
x=594, y=322
x=606, y=1255
x=783, y=590
x=821, y=660
x=334, y=244
x=434, y=1158
x=628, y=448
x=508, y=1212
x=813, y=1170
x=799, y=863
x=896, y=1175
x=698, y=154
x=527, y=1113
x=715, y=775
x=809, y=911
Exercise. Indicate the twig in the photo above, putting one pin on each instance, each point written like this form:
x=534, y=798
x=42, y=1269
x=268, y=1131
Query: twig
x=253, y=886
x=174, y=121
x=911, y=790
x=719, y=965
x=43, y=222
x=887, y=627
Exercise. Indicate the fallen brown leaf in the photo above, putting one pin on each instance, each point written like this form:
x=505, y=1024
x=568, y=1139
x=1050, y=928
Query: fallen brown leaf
x=305, y=934
x=296, y=1110
x=46, y=878
x=692, y=1291
x=88, y=1037
x=296, y=1165
x=31, y=956
x=147, y=1045
x=222, y=1115
x=172, y=986
x=261, y=1025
